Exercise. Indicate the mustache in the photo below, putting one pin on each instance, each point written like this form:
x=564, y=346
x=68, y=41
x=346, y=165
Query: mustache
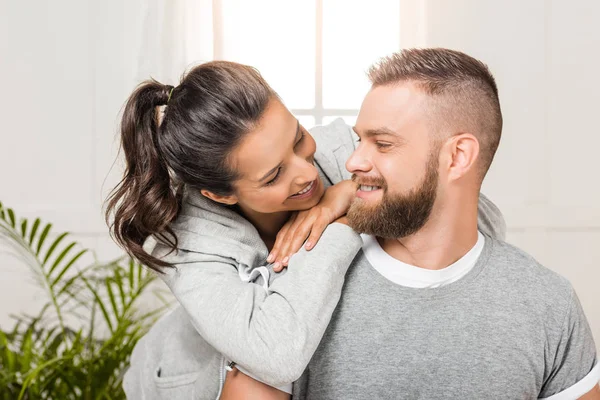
x=369, y=181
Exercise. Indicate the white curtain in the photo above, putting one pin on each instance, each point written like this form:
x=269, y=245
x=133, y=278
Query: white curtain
x=177, y=34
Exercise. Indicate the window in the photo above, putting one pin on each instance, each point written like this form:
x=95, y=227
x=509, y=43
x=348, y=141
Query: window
x=315, y=54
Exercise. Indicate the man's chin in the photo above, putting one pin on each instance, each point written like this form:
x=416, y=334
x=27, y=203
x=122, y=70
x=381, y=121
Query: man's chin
x=364, y=207
x=360, y=215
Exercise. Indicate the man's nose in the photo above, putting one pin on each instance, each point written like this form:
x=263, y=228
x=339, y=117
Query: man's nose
x=358, y=162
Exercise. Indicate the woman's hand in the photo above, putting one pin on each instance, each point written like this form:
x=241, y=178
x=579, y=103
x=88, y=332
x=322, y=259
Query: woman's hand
x=311, y=223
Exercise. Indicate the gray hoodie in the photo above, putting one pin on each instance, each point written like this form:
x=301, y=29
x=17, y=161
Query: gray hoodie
x=231, y=308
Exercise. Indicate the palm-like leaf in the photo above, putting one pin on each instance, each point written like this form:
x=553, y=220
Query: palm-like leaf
x=42, y=357
x=49, y=264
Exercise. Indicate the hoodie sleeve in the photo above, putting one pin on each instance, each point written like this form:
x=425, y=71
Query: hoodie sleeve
x=271, y=334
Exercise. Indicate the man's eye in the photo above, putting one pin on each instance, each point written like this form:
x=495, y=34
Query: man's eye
x=382, y=145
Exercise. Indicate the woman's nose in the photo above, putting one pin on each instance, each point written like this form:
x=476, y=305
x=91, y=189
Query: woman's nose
x=307, y=172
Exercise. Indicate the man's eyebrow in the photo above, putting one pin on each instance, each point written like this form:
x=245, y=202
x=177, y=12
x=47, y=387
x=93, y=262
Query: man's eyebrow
x=380, y=131
x=265, y=176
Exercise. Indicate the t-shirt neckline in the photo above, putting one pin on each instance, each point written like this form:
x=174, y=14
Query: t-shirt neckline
x=407, y=275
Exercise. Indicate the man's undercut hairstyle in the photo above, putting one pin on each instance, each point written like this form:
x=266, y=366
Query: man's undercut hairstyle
x=464, y=95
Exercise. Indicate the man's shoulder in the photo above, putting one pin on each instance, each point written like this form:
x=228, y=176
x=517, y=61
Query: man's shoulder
x=524, y=276
x=519, y=262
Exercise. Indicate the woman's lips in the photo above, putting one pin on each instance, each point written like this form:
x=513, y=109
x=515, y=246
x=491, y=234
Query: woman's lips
x=311, y=190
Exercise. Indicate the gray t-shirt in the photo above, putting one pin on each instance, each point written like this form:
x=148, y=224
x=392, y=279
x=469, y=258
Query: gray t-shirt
x=509, y=329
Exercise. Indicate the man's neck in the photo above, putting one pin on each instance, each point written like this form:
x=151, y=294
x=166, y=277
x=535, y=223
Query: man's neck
x=448, y=235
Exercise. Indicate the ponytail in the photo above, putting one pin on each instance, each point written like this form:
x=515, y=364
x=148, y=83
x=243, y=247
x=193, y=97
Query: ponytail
x=187, y=142
x=145, y=201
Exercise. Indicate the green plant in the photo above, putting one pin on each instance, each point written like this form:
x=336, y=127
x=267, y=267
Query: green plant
x=79, y=344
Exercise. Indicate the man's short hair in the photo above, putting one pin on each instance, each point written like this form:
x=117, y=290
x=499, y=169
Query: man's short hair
x=462, y=89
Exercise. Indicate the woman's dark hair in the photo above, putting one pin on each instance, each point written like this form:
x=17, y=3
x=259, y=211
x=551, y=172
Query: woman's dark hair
x=176, y=136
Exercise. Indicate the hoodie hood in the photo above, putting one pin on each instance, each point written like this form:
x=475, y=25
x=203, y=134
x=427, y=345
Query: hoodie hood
x=206, y=227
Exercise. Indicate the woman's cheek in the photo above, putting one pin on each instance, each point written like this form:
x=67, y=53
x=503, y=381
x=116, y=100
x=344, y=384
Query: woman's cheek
x=283, y=195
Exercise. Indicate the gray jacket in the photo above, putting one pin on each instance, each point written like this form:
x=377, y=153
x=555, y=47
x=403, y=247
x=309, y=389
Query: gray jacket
x=230, y=306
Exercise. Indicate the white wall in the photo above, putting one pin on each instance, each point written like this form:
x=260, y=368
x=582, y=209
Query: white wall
x=545, y=56
x=68, y=66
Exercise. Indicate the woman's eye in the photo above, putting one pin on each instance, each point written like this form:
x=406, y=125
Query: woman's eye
x=274, y=180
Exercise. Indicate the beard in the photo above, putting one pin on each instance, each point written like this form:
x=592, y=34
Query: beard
x=396, y=215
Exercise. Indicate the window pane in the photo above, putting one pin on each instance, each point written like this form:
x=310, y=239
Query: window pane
x=307, y=121
x=278, y=38
x=355, y=35
x=350, y=120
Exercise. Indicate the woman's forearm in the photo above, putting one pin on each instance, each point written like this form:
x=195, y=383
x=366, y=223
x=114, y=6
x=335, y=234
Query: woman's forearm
x=239, y=386
x=273, y=334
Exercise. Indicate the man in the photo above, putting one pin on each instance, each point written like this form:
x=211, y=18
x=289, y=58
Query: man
x=431, y=307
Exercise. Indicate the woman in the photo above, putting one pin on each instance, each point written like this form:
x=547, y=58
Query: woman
x=216, y=170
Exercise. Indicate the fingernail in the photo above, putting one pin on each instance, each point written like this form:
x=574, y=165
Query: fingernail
x=276, y=266
x=308, y=245
x=285, y=260
x=270, y=258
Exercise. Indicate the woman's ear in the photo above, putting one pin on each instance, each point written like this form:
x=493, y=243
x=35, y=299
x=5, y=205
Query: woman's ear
x=228, y=200
x=464, y=152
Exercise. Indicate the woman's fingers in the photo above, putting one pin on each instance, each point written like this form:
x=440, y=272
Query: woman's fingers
x=315, y=233
x=279, y=241
x=306, y=224
x=286, y=245
x=299, y=236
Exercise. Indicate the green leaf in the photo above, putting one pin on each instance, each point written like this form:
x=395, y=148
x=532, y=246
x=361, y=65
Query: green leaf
x=48, y=335
x=72, y=280
x=51, y=349
x=131, y=268
x=60, y=257
x=24, y=228
x=111, y=296
x=11, y=216
x=35, y=372
x=42, y=238
x=67, y=266
x=53, y=246
x=140, y=271
x=2, y=214
x=65, y=377
x=153, y=314
x=15, y=330
x=34, y=229
x=100, y=304
x=7, y=355
x=119, y=282
x=26, y=352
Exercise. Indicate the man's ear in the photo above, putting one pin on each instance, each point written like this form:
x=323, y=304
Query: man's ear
x=463, y=150
x=228, y=200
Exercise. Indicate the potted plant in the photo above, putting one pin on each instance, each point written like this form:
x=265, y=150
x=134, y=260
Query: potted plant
x=78, y=345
